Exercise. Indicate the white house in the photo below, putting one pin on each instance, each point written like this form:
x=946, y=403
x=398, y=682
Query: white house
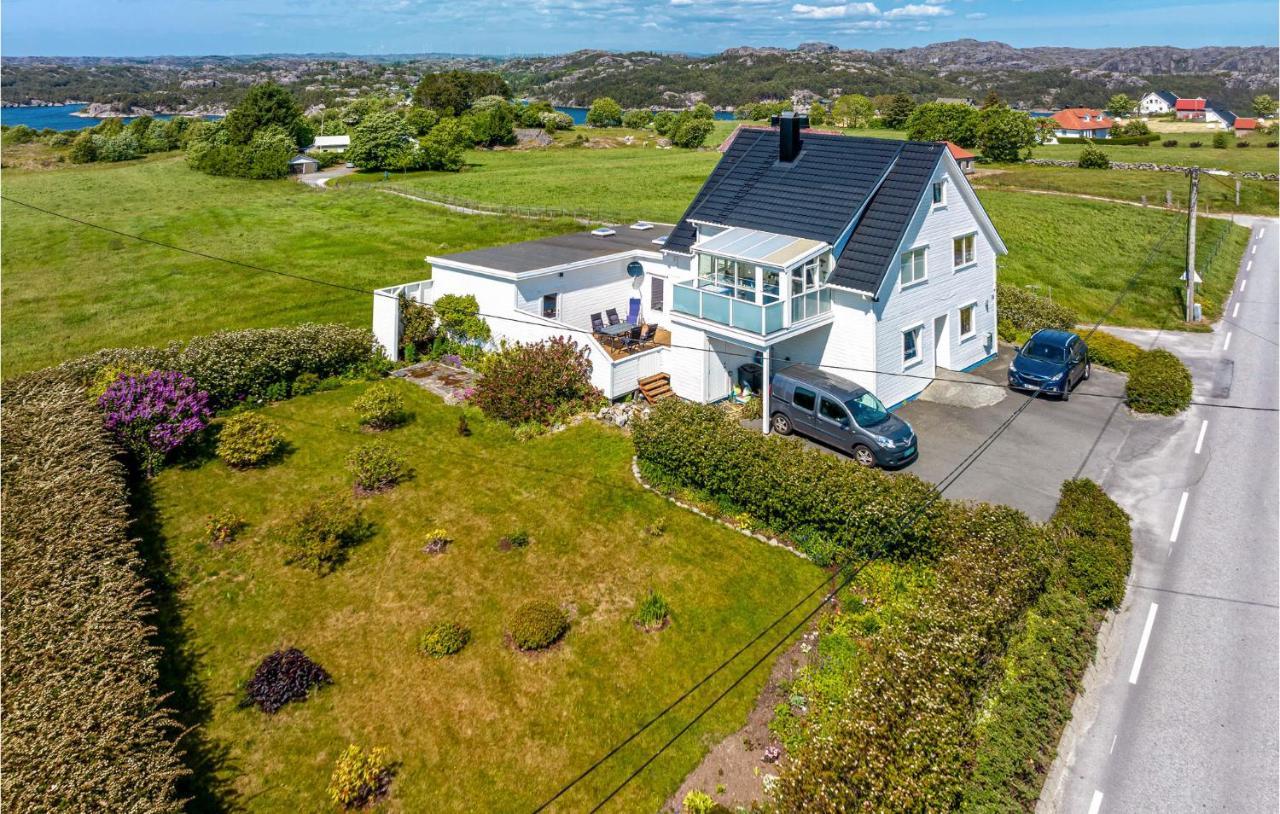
x=871, y=258
x=330, y=144
x=1154, y=102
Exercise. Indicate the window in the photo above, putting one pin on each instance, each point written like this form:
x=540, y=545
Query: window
x=832, y=411
x=913, y=266
x=966, y=320
x=939, y=193
x=809, y=297
x=911, y=346
x=656, y=292
x=803, y=399
x=550, y=303
x=962, y=251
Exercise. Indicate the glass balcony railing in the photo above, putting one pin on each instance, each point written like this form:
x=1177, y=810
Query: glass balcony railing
x=728, y=310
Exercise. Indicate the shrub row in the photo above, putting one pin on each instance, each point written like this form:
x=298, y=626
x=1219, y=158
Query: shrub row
x=1158, y=383
x=791, y=489
x=1115, y=141
x=1113, y=352
x=1094, y=540
x=83, y=724
x=1028, y=311
x=260, y=363
x=901, y=738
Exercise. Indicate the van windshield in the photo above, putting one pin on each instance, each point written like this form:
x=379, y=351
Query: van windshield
x=1045, y=352
x=867, y=410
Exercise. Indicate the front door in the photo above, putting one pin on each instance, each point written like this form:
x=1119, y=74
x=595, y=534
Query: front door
x=941, y=343
x=720, y=363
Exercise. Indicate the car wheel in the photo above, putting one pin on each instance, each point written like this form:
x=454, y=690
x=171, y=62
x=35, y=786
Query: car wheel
x=781, y=424
x=1088, y=371
x=863, y=455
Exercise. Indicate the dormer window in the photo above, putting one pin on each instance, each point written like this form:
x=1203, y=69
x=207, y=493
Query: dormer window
x=939, y=193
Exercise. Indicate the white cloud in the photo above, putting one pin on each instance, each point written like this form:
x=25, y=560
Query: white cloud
x=918, y=10
x=976, y=15
x=682, y=2
x=828, y=12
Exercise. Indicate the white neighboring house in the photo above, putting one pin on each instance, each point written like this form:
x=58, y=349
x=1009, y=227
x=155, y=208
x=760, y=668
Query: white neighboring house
x=1154, y=102
x=869, y=257
x=330, y=144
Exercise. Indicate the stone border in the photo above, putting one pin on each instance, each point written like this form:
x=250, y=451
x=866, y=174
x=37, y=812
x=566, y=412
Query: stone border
x=773, y=541
x=1148, y=166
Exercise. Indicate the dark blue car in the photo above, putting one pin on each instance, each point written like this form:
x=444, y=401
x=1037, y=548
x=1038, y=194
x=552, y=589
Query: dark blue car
x=1052, y=361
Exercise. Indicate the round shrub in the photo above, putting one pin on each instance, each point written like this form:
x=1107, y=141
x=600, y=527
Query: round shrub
x=653, y=613
x=318, y=536
x=1169, y=142
x=1195, y=144
x=360, y=777
x=284, y=676
x=1113, y=352
x=380, y=407
x=1221, y=141
x=541, y=382
x=376, y=467
x=306, y=384
x=248, y=439
x=1273, y=144
x=1093, y=158
x=537, y=624
x=222, y=528
x=444, y=639
x=153, y=415
x=1242, y=144
x=1158, y=383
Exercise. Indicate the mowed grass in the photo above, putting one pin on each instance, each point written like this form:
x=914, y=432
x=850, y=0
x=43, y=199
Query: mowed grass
x=489, y=729
x=1084, y=254
x=69, y=289
x=1257, y=157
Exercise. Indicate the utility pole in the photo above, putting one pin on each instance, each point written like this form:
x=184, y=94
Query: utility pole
x=1191, y=244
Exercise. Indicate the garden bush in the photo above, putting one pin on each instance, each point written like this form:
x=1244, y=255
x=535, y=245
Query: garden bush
x=306, y=384
x=436, y=541
x=536, y=625
x=1169, y=142
x=417, y=324
x=1221, y=141
x=222, y=528
x=444, y=639
x=1273, y=144
x=380, y=407
x=1028, y=311
x=1195, y=144
x=652, y=613
x=376, y=467
x=516, y=539
x=360, y=777
x=1095, y=542
x=318, y=536
x=541, y=382
x=782, y=484
x=84, y=724
x=282, y=677
x=153, y=415
x=1093, y=158
x=1242, y=143
x=249, y=439
x=1113, y=352
x=1158, y=383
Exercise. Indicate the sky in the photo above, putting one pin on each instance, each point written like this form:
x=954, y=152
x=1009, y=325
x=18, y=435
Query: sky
x=202, y=27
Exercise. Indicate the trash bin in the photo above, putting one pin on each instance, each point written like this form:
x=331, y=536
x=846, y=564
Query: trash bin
x=751, y=377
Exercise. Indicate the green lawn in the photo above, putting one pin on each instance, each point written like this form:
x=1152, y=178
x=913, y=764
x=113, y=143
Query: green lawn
x=1083, y=253
x=1257, y=157
x=489, y=729
x=69, y=289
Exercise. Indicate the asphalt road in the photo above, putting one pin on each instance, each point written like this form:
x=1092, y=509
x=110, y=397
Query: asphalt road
x=1181, y=711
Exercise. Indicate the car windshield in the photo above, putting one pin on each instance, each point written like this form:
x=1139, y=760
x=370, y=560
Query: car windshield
x=1045, y=351
x=867, y=410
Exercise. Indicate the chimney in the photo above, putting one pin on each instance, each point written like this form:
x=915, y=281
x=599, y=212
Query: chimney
x=789, y=126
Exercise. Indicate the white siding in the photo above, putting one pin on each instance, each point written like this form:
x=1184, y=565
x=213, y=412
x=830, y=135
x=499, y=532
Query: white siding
x=846, y=347
x=943, y=292
x=687, y=362
x=583, y=292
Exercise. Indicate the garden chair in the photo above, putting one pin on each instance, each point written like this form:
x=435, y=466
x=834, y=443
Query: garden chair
x=633, y=312
x=597, y=324
x=647, y=333
x=631, y=339
x=612, y=314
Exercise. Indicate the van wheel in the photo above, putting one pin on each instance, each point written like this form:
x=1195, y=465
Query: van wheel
x=1088, y=370
x=781, y=424
x=863, y=455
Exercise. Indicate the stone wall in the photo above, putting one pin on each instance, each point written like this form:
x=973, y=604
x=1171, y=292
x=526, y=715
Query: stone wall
x=1149, y=166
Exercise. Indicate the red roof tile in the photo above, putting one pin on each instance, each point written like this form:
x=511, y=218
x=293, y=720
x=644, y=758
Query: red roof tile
x=1246, y=124
x=1072, y=118
x=959, y=153
x=1189, y=104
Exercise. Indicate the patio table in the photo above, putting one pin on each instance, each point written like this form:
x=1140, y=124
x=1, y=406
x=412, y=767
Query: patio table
x=613, y=332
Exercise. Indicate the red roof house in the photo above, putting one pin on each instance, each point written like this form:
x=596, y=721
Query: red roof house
x=1245, y=126
x=1189, y=109
x=1082, y=122
x=962, y=156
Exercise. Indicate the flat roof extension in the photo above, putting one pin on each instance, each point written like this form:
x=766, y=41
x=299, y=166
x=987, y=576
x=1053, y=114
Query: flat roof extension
x=561, y=250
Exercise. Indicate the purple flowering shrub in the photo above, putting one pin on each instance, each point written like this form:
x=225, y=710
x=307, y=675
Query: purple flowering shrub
x=154, y=414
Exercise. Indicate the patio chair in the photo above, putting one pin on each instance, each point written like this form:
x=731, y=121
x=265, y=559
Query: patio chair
x=647, y=333
x=631, y=338
x=597, y=324
x=633, y=312
x=612, y=314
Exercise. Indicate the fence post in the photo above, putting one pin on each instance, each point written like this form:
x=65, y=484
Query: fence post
x=1168, y=199
x=1144, y=201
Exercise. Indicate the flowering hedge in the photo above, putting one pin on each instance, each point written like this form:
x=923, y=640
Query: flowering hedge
x=84, y=729
x=540, y=382
x=1030, y=312
x=791, y=489
x=154, y=414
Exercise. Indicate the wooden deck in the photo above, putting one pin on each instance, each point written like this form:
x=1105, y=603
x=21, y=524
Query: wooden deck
x=660, y=339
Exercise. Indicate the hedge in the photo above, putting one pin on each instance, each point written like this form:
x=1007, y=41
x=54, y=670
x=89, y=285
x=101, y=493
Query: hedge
x=84, y=729
x=1158, y=383
x=1113, y=352
x=1117, y=141
x=791, y=489
x=1096, y=542
x=258, y=363
x=1028, y=311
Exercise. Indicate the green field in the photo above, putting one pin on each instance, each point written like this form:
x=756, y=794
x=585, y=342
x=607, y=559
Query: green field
x=1257, y=157
x=489, y=729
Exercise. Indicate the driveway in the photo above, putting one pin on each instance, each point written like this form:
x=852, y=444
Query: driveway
x=320, y=179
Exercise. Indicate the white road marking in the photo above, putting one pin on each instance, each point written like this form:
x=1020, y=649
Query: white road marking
x=1235, y=311
x=1243, y=283
x=1142, y=648
x=1249, y=266
x=1227, y=344
x=1254, y=250
x=1114, y=738
x=1204, y=425
x=1096, y=804
x=1177, y=518
x=1262, y=232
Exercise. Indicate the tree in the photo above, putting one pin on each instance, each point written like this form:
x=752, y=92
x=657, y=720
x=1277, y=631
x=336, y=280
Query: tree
x=1120, y=105
x=881, y=102
x=817, y=114
x=691, y=132
x=1092, y=158
x=636, y=119
x=1263, y=106
x=454, y=92
x=380, y=142
x=444, y=148
x=83, y=150
x=421, y=120
x=702, y=110
x=264, y=105
x=992, y=100
x=269, y=152
x=604, y=112
x=1046, y=130
x=898, y=111
x=554, y=120
x=853, y=110
x=941, y=121
x=530, y=115
x=663, y=122
x=492, y=125
x=1004, y=134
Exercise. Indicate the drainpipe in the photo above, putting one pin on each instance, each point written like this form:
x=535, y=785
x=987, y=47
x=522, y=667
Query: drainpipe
x=765, y=390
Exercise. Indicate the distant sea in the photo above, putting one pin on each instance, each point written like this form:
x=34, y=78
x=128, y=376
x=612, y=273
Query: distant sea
x=59, y=117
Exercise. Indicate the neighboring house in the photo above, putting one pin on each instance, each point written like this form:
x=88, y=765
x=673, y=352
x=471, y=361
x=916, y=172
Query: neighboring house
x=870, y=257
x=1082, y=122
x=330, y=144
x=1245, y=127
x=952, y=100
x=302, y=163
x=1189, y=110
x=1217, y=115
x=1157, y=101
x=964, y=158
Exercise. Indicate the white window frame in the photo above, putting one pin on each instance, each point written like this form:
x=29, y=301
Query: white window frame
x=918, y=330
x=973, y=320
x=969, y=258
x=940, y=184
x=923, y=251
